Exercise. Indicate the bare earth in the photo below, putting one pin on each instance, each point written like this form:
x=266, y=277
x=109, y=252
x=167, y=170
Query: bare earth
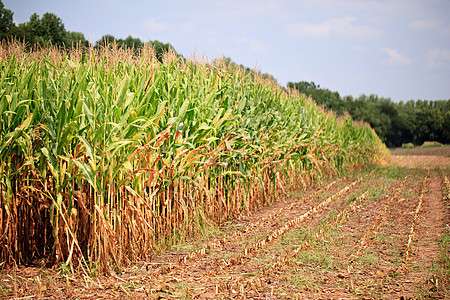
x=421, y=161
x=368, y=235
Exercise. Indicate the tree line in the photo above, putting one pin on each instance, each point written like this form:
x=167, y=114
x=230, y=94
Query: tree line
x=413, y=121
x=50, y=30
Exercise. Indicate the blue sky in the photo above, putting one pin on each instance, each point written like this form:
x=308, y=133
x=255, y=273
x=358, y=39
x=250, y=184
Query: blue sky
x=393, y=48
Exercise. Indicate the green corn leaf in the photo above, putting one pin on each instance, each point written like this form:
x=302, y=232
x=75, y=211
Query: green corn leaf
x=88, y=147
x=87, y=172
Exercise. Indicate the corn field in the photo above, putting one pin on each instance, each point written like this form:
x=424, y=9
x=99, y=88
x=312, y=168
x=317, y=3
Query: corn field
x=107, y=156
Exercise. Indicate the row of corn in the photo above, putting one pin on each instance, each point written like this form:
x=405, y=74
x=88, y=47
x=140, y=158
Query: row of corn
x=106, y=157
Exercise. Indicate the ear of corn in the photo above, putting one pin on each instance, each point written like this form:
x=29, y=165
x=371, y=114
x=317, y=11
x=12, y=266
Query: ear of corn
x=120, y=155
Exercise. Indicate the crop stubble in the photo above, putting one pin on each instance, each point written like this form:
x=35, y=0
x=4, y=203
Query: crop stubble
x=356, y=246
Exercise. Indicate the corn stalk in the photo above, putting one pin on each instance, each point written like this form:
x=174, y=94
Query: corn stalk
x=107, y=156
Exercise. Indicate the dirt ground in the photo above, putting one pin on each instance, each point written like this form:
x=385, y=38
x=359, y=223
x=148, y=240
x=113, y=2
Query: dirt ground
x=373, y=234
x=428, y=158
x=424, y=151
x=421, y=161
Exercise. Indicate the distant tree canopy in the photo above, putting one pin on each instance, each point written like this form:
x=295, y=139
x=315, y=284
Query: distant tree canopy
x=395, y=123
x=331, y=100
x=39, y=31
x=50, y=30
x=6, y=21
x=135, y=44
x=246, y=70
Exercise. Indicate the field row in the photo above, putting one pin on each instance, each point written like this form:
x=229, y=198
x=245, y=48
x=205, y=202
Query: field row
x=365, y=235
x=107, y=158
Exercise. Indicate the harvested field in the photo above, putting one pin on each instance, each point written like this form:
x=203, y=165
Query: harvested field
x=421, y=161
x=428, y=158
x=380, y=234
x=443, y=151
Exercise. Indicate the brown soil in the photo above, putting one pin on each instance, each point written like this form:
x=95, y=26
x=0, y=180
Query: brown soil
x=421, y=161
x=428, y=158
x=355, y=245
x=432, y=151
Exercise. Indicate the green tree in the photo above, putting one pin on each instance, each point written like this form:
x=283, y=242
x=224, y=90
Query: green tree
x=51, y=28
x=22, y=32
x=76, y=38
x=34, y=29
x=132, y=43
x=331, y=100
x=129, y=43
x=428, y=125
x=405, y=122
x=446, y=129
x=106, y=40
x=135, y=44
x=6, y=21
x=395, y=123
x=161, y=48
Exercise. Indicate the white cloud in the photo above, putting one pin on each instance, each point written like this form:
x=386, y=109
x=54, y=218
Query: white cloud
x=358, y=48
x=438, y=57
x=152, y=25
x=314, y=30
x=254, y=45
x=257, y=46
x=395, y=58
x=424, y=24
x=340, y=26
x=383, y=8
